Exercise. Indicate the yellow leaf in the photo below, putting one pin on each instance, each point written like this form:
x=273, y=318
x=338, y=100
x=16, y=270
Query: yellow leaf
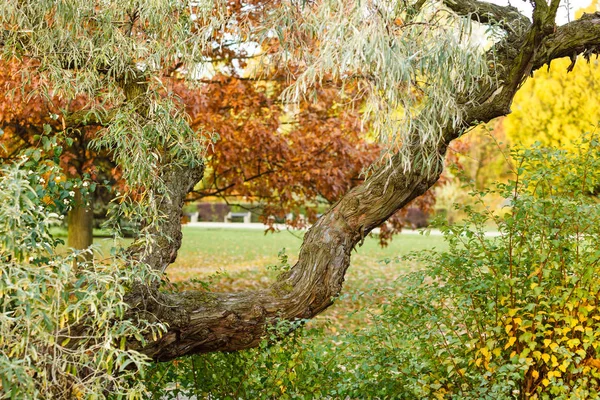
x=573, y=322
x=535, y=374
x=554, y=373
x=553, y=346
x=547, y=342
x=563, y=366
x=508, y=328
x=545, y=382
x=510, y=342
x=545, y=357
x=485, y=352
x=517, y=321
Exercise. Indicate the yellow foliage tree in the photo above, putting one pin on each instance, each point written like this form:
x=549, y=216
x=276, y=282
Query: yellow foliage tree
x=555, y=108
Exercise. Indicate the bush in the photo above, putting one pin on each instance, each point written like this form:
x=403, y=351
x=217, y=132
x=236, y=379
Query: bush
x=516, y=316
x=63, y=334
x=495, y=317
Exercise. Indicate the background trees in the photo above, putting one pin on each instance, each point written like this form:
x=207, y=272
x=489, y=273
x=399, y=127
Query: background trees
x=304, y=153
x=555, y=108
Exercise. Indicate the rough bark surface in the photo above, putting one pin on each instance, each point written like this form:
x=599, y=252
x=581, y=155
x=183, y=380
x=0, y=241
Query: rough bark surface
x=204, y=322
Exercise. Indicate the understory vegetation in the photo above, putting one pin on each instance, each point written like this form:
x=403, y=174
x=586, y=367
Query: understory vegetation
x=493, y=317
x=483, y=316
x=64, y=333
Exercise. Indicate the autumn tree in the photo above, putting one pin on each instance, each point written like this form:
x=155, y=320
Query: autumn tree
x=26, y=116
x=288, y=161
x=303, y=157
x=423, y=81
x=555, y=108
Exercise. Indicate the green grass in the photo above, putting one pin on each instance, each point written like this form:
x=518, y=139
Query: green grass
x=206, y=251
x=237, y=260
x=242, y=253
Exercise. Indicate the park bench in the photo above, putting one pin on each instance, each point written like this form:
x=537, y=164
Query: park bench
x=245, y=215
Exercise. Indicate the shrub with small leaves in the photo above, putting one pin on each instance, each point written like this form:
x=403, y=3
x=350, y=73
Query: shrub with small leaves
x=515, y=315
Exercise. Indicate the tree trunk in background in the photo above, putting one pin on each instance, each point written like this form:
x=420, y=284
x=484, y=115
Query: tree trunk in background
x=80, y=221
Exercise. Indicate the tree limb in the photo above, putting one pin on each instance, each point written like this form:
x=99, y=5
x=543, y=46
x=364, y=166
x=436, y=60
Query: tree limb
x=578, y=37
x=507, y=17
x=203, y=322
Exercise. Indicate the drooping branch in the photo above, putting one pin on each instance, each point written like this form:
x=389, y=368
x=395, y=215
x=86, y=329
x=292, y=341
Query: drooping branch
x=203, y=322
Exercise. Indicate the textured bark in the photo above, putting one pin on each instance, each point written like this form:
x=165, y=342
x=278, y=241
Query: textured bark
x=203, y=322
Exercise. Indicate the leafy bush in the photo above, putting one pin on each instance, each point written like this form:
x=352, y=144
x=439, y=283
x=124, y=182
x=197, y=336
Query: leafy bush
x=514, y=316
x=496, y=317
x=62, y=328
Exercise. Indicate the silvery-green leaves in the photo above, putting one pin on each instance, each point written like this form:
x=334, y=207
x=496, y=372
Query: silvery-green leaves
x=417, y=66
x=63, y=331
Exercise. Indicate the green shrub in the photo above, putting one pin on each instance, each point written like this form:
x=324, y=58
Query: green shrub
x=494, y=317
x=62, y=331
x=514, y=316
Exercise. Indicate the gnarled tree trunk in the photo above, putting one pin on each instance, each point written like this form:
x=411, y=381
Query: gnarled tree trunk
x=203, y=322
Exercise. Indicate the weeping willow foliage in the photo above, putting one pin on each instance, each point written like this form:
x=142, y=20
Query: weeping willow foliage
x=104, y=41
x=417, y=63
x=101, y=49
x=112, y=53
x=63, y=331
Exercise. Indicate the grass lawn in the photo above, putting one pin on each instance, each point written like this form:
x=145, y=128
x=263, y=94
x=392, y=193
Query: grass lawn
x=206, y=251
x=237, y=259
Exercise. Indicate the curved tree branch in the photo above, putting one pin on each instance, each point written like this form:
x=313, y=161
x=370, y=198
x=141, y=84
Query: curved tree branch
x=578, y=37
x=203, y=322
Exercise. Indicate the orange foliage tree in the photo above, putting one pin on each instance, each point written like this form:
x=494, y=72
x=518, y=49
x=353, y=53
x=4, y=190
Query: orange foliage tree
x=289, y=158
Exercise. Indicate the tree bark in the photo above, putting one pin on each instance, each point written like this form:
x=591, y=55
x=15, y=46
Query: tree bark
x=80, y=220
x=204, y=322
